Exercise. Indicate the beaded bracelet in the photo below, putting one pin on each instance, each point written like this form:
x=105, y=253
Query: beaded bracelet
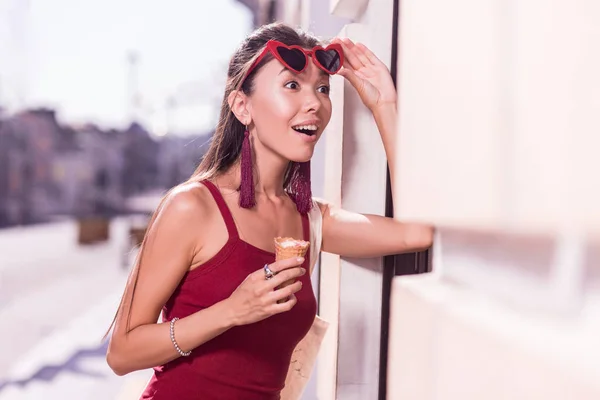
x=181, y=352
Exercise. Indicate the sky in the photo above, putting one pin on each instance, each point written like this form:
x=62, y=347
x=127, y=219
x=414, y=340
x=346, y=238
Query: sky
x=73, y=56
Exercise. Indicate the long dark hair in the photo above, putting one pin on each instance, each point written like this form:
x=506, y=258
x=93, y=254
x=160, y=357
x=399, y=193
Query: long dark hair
x=226, y=144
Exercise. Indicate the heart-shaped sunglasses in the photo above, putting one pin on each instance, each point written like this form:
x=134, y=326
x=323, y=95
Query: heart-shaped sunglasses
x=330, y=59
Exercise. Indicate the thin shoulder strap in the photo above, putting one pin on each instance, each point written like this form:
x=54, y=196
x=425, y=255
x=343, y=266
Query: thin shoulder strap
x=305, y=227
x=316, y=233
x=223, y=208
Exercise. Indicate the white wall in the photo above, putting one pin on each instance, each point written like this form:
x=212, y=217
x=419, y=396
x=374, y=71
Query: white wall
x=494, y=322
x=498, y=130
x=503, y=98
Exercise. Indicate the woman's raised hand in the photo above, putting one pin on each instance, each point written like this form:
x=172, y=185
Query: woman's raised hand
x=256, y=297
x=368, y=74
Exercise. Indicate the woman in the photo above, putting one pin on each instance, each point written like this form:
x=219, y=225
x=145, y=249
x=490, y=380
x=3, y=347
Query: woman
x=207, y=262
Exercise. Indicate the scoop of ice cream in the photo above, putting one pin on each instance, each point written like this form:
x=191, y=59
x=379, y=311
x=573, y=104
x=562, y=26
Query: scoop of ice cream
x=288, y=243
x=287, y=247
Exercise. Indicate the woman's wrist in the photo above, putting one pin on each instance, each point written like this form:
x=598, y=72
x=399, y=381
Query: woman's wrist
x=384, y=110
x=227, y=315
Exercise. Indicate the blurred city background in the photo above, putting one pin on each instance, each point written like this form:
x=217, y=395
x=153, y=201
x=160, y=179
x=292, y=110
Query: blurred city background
x=103, y=106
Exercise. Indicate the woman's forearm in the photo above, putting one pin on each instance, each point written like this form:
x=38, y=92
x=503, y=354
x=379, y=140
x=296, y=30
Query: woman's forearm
x=386, y=118
x=418, y=236
x=150, y=345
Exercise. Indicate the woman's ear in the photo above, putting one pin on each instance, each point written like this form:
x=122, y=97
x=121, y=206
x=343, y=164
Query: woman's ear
x=238, y=103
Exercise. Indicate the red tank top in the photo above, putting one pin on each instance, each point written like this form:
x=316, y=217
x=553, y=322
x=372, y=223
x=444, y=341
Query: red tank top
x=248, y=362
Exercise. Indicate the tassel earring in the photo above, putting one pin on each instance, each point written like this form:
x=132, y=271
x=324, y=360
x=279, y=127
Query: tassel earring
x=301, y=187
x=247, y=199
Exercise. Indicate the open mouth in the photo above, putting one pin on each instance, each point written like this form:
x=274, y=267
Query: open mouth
x=309, y=130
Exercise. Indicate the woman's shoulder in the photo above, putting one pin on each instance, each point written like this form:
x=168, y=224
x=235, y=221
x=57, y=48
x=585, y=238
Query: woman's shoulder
x=188, y=200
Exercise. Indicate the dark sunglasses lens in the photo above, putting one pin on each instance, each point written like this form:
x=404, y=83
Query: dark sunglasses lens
x=294, y=58
x=329, y=59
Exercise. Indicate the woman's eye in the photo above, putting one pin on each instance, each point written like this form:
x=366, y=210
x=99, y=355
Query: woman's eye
x=292, y=85
x=324, y=89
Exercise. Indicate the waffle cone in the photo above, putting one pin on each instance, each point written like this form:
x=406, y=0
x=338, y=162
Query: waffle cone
x=287, y=247
x=284, y=251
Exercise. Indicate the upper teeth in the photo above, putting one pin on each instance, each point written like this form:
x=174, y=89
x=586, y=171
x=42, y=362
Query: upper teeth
x=306, y=127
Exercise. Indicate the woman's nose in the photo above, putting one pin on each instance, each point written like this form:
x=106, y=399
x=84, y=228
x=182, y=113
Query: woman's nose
x=311, y=102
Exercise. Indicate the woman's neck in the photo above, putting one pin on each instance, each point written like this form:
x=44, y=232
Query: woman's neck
x=268, y=178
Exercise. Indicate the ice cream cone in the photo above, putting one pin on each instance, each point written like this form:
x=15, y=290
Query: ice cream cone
x=287, y=247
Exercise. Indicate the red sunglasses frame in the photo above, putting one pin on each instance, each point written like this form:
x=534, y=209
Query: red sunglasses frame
x=272, y=46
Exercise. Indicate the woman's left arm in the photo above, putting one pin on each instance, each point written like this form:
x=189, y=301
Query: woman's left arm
x=356, y=235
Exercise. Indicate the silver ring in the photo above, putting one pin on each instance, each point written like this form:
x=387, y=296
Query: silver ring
x=268, y=273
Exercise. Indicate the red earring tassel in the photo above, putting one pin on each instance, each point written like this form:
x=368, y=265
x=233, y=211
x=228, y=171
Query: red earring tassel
x=247, y=199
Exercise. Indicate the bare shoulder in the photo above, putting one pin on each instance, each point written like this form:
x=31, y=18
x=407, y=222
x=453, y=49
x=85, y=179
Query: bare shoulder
x=186, y=198
x=187, y=204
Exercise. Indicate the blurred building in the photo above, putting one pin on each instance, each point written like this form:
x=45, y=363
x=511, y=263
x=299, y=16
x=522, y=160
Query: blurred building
x=71, y=173
x=97, y=186
x=140, y=156
x=497, y=106
x=12, y=169
x=48, y=169
x=31, y=139
x=179, y=157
